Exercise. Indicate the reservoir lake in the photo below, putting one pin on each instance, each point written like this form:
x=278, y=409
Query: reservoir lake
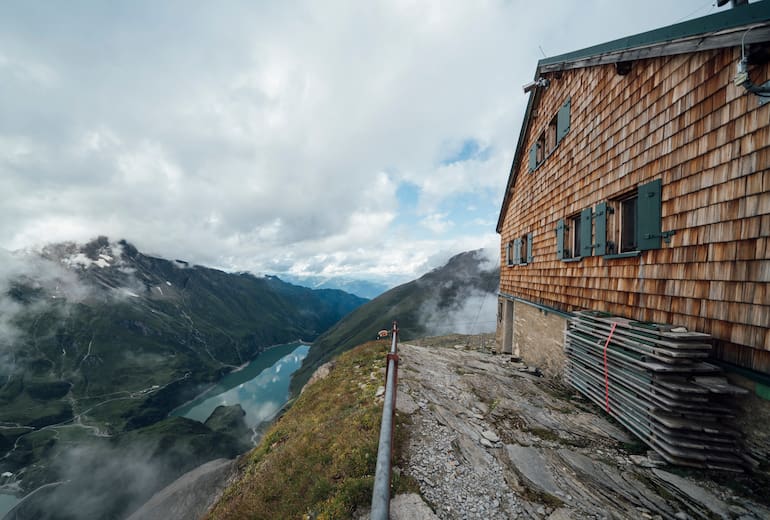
x=261, y=387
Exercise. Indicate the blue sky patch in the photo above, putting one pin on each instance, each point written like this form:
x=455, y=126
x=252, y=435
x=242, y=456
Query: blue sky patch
x=469, y=149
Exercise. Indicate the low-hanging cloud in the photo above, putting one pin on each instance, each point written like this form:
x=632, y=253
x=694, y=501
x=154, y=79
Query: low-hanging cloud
x=473, y=312
x=30, y=284
x=34, y=282
x=99, y=479
x=466, y=303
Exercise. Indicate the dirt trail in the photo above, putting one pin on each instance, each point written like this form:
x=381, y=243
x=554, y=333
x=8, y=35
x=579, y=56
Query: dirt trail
x=488, y=440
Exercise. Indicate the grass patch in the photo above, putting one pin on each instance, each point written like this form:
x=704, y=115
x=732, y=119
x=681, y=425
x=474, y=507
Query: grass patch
x=320, y=456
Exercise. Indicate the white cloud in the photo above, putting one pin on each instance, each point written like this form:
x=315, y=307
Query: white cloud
x=437, y=222
x=262, y=135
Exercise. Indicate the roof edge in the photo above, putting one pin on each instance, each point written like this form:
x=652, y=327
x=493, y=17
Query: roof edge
x=732, y=18
x=728, y=21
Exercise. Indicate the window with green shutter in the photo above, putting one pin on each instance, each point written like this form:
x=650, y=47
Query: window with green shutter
x=575, y=235
x=600, y=224
x=517, y=251
x=648, y=210
x=530, y=258
x=571, y=236
x=549, y=138
x=563, y=120
x=586, y=242
x=509, y=253
x=533, y=157
x=631, y=223
x=560, y=228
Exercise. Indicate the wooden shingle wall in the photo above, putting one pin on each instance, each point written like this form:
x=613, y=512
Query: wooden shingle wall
x=682, y=120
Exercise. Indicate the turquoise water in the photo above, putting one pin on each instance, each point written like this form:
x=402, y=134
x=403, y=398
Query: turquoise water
x=7, y=502
x=261, y=387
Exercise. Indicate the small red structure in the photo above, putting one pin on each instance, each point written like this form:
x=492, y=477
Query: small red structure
x=384, y=333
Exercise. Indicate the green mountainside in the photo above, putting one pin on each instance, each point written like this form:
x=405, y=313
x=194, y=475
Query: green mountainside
x=101, y=342
x=438, y=296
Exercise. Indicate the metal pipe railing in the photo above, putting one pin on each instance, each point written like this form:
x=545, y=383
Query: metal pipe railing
x=381, y=491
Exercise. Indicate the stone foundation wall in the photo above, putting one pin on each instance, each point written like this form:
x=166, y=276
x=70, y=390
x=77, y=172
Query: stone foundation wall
x=538, y=336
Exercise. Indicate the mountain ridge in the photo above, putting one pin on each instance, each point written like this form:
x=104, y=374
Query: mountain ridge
x=100, y=341
x=421, y=307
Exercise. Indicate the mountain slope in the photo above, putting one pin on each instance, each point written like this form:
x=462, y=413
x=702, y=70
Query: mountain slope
x=104, y=339
x=458, y=290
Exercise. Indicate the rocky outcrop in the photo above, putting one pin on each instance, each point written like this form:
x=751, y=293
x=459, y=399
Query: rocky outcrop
x=487, y=439
x=229, y=420
x=320, y=373
x=191, y=495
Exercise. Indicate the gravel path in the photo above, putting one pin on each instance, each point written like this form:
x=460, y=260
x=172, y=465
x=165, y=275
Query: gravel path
x=489, y=439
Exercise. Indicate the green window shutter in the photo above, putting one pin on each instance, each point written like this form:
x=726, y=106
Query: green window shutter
x=529, y=248
x=508, y=254
x=563, y=120
x=517, y=251
x=600, y=218
x=533, y=157
x=586, y=244
x=560, y=240
x=648, y=216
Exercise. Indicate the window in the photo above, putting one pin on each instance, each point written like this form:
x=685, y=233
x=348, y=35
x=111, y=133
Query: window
x=631, y=223
x=573, y=251
x=624, y=226
x=519, y=251
x=550, y=138
x=621, y=224
x=569, y=238
x=627, y=227
x=551, y=134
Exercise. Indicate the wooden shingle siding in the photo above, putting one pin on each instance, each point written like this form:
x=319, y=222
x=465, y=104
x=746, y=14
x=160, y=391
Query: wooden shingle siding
x=679, y=119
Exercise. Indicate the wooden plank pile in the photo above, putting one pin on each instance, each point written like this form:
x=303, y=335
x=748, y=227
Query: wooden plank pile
x=653, y=379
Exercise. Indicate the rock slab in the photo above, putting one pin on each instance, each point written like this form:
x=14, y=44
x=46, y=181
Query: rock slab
x=190, y=496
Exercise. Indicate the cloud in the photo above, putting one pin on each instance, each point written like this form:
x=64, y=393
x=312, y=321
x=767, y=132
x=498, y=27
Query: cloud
x=471, y=309
x=473, y=313
x=437, y=222
x=47, y=281
x=253, y=135
x=42, y=279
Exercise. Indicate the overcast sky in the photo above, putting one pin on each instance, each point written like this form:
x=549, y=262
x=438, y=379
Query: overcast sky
x=362, y=138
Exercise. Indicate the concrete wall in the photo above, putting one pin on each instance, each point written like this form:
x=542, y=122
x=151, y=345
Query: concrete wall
x=538, y=336
x=504, y=332
x=535, y=335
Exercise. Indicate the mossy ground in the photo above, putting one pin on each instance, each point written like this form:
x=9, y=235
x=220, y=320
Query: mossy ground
x=318, y=460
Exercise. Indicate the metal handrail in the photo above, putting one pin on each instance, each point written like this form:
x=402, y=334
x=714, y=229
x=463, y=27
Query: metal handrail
x=381, y=490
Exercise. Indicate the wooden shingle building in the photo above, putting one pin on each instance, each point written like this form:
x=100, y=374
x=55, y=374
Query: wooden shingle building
x=640, y=186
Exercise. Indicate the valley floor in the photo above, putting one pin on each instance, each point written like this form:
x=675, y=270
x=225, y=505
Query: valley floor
x=488, y=439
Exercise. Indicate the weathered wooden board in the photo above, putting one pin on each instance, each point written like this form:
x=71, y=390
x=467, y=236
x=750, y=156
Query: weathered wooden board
x=677, y=404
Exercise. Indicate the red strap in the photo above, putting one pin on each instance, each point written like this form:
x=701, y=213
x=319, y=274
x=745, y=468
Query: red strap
x=606, y=373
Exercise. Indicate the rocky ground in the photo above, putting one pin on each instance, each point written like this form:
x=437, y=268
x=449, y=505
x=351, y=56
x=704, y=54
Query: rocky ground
x=489, y=438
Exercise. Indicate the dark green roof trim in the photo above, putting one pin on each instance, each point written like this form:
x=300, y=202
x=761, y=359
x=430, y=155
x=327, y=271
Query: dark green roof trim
x=533, y=99
x=723, y=29
x=731, y=18
x=542, y=307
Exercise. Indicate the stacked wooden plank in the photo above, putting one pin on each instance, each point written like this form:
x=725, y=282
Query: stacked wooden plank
x=653, y=379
